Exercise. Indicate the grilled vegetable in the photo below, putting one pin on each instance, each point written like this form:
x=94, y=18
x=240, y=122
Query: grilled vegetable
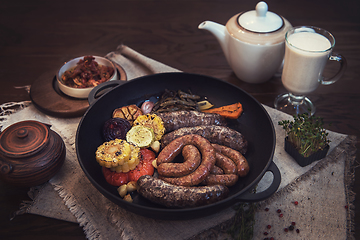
x=152, y=121
x=204, y=105
x=131, y=163
x=114, y=178
x=175, y=101
x=128, y=198
x=147, y=106
x=140, y=136
x=144, y=167
x=113, y=153
x=232, y=111
x=115, y=128
x=122, y=190
x=155, y=146
x=127, y=180
x=129, y=113
x=127, y=188
x=131, y=186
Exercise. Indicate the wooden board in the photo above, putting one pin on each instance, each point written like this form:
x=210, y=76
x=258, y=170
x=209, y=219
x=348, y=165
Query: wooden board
x=47, y=97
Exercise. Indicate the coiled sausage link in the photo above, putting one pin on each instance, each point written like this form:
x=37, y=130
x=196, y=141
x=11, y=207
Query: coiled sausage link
x=192, y=159
x=240, y=161
x=226, y=176
x=216, y=170
x=225, y=163
x=221, y=179
x=197, y=176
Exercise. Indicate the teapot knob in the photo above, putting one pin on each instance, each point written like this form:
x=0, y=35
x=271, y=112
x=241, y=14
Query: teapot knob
x=261, y=9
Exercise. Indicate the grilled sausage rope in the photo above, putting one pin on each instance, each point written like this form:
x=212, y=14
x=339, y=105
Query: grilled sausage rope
x=173, y=149
x=192, y=159
x=240, y=161
x=225, y=163
x=228, y=172
x=221, y=179
x=232, y=163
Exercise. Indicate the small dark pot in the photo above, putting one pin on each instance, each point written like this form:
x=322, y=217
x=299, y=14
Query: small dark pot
x=30, y=153
x=301, y=160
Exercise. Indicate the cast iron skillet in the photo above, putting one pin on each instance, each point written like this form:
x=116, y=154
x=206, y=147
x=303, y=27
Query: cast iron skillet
x=254, y=123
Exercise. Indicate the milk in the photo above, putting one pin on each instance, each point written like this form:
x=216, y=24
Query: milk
x=306, y=54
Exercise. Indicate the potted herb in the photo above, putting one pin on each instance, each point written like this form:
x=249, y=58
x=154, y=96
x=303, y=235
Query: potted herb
x=306, y=139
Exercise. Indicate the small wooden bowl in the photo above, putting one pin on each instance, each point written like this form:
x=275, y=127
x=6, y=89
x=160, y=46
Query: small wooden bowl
x=30, y=153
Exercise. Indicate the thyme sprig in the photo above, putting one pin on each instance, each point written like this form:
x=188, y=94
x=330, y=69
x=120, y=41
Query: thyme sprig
x=306, y=133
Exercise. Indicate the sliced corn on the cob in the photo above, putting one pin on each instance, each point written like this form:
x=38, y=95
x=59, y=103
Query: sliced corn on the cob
x=113, y=153
x=152, y=121
x=131, y=163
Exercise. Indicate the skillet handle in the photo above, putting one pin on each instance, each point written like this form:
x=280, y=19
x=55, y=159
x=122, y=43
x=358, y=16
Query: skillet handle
x=255, y=197
x=103, y=88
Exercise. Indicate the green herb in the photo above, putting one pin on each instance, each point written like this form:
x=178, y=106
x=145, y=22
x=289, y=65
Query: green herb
x=306, y=133
x=243, y=225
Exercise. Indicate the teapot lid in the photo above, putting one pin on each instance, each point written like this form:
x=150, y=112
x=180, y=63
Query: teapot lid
x=24, y=139
x=260, y=20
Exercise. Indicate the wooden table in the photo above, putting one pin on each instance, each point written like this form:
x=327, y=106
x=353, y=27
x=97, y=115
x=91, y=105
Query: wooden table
x=36, y=37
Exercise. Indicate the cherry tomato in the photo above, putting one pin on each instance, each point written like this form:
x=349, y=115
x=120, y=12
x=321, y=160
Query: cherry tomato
x=114, y=178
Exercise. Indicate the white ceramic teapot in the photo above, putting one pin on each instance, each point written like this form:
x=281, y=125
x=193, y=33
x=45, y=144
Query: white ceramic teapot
x=253, y=42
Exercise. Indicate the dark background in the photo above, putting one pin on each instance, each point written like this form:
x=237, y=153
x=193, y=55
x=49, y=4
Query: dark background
x=38, y=36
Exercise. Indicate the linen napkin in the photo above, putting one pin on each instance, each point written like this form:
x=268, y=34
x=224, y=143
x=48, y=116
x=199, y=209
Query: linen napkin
x=71, y=197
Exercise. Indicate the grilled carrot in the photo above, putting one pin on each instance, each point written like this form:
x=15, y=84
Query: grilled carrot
x=232, y=111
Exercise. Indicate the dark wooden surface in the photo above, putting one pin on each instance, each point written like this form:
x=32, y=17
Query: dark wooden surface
x=37, y=36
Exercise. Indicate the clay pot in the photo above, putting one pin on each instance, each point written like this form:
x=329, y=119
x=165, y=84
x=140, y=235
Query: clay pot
x=30, y=153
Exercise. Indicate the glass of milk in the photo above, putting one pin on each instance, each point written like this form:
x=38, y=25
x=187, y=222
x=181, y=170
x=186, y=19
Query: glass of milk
x=307, y=50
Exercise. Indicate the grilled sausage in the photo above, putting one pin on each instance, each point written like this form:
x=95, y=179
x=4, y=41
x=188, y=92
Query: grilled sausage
x=240, y=161
x=192, y=160
x=207, y=153
x=172, y=196
x=223, y=179
x=216, y=170
x=179, y=119
x=215, y=134
x=225, y=163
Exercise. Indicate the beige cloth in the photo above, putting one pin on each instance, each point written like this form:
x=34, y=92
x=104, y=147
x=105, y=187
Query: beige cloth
x=320, y=188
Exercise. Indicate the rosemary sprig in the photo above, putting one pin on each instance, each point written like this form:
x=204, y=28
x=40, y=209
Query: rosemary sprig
x=243, y=225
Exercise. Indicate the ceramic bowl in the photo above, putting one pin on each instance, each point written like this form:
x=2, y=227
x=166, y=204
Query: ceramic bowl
x=81, y=92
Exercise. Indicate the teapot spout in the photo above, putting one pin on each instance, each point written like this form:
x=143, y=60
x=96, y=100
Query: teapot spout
x=218, y=31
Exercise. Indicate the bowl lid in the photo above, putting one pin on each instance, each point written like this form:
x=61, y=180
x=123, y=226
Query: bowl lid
x=24, y=139
x=260, y=20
